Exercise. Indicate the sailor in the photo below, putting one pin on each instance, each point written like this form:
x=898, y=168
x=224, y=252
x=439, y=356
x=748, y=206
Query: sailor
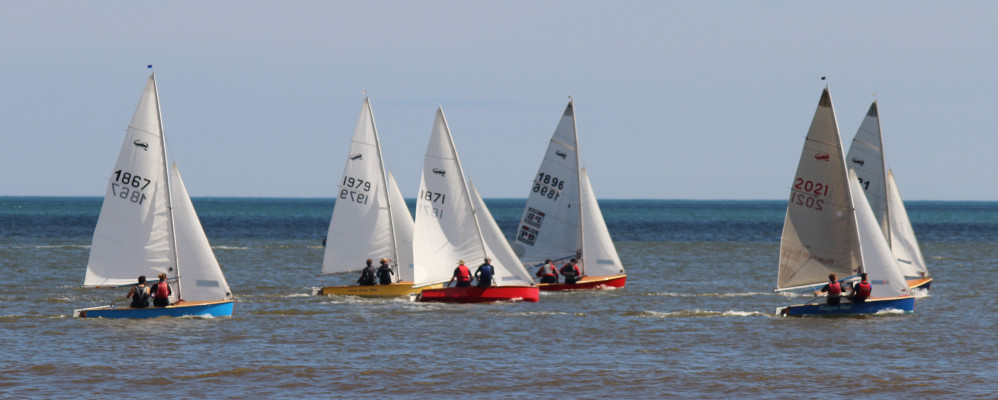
x=162, y=292
x=367, y=274
x=385, y=273
x=461, y=274
x=139, y=294
x=485, y=272
x=861, y=290
x=571, y=272
x=548, y=272
x=834, y=290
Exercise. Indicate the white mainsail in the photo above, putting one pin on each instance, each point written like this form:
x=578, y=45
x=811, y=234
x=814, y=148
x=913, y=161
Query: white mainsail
x=134, y=230
x=819, y=230
x=562, y=218
x=453, y=223
x=877, y=260
x=903, y=241
x=369, y=221
x=201, y=277
x=866, y=157
x=552, y=219
x=601, y=257
x=446, y=229
x=147, y=223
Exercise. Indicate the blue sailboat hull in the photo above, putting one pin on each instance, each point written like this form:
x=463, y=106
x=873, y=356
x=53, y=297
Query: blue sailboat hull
x=870, y=306
x=221, y=308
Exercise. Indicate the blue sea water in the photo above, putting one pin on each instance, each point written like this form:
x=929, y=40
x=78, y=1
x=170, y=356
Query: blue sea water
x=695, y=320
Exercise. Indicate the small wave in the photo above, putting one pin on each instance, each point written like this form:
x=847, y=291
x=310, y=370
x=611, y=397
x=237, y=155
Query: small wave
x=890, y=311
x=920, y=293
x=231, y=248
x=698, y=313
x=733, y=294
x=54, y=246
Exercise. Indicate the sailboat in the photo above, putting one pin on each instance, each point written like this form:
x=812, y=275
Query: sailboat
x=830, y=228
x=148, y=226
x=370, y=219
x=453, y=223
x=562, y=219
x=866, y=157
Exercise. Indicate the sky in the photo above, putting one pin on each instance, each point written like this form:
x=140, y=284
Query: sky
x=673, y=99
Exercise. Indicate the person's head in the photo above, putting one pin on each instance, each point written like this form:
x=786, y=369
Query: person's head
x=162, y=276
x=369, y=261
x=574, y=261
x=548, y=261
x=488, y=260
x=862, y=276
x=142, y=279
x=460, y=262
x=832, y=277
x=384, y=261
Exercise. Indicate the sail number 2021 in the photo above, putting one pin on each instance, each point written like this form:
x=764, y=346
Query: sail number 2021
x=128, y=186
x=806, y=193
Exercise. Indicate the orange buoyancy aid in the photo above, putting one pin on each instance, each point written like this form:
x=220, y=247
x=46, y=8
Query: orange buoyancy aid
x=463, y=273
x=834, y=289
x=863, y=290
x=162, y=290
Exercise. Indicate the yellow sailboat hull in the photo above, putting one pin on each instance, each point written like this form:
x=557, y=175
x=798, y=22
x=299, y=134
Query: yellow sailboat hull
x=400, y=289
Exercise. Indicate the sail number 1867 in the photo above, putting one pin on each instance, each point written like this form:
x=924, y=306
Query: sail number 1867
x=128, y=186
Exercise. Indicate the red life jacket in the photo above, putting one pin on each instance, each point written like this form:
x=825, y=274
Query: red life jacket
x=863, y=290
x=463, y=273
x=834, y=289
x=162, y=290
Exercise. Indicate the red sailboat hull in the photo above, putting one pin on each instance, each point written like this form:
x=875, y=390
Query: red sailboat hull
x=474, y=294
x=589, y=282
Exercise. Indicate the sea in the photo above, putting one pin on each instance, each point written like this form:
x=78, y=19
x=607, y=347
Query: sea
x=696, y=319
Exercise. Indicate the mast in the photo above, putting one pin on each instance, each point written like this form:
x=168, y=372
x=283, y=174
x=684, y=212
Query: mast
x=388, y=197
x=874, y=109
x=464, y=183
x=578, y=176
x=169, y=194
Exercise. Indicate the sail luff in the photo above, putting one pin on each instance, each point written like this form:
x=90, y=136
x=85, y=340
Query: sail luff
x=169, y=191
x=580, y=253
x=875, y=112
x=388, y=197
x=464, y=179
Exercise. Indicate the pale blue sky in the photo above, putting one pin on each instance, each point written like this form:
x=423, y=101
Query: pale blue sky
x=674, y=100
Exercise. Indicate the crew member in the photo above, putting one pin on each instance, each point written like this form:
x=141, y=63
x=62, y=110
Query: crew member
x=861, y=290
x=834, y=290
x=461, y=274
x=385, y=273
x=162, y=292
x=548, y=272
x=139, y=294
x=485, y=273
x=571, y=272
x=367, y=274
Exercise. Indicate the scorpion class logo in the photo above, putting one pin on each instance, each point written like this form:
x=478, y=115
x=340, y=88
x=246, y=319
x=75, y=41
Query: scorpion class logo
x=440, y=172
x=143, y=145
x=822, y=156
x=357, y=156
x=858, y=161
x=561, y=154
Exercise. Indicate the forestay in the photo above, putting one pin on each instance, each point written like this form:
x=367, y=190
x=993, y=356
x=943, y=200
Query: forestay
x=200, y=275
x=903, y=241
x=600, y=255
x=819, y=230
x=368, y=221
x=877, y=260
